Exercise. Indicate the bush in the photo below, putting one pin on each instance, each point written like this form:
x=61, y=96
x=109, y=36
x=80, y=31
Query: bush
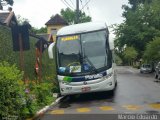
x=37, y=96
x=16, y=98
x=136, y=66
x=43, y=92
x=11, y=91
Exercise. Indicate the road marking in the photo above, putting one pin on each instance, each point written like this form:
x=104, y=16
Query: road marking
x=131, y=107
x=155, y=106
x=106, y=108
x=57, y=112
x=83, y=110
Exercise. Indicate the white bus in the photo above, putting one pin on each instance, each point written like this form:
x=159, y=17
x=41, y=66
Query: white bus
x=84, y=59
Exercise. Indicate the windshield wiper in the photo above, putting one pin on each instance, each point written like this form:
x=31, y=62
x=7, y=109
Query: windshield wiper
x=91, y=64
x=85, y=58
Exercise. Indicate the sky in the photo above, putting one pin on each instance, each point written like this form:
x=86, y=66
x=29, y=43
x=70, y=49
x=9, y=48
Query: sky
x=38, y=12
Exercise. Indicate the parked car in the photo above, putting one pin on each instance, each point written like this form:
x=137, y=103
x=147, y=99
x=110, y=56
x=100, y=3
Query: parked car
x=146, y=68
x=157, y=71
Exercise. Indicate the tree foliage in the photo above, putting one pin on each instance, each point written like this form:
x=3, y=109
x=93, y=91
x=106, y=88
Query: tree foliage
x=141, y=25
x=118, y=60
x=70, y=16
x=10, y=2
x=152, y=52
x=130, y=54
x=38, y=30
x=22, y=21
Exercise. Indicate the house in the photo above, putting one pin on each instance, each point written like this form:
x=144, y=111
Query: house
x=8, y=18
x=54, y=24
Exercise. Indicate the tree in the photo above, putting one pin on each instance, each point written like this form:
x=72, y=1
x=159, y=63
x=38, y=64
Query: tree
x=40, y=30
x=152, y=52
x=9, y=2
x=118, y=60
x=24, y=21
x=130, y=54
x=70, y=16
x=141, y=25
x=135, y=3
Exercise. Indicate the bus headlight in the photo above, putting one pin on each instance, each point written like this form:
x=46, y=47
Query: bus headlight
x=62, y=89
x=108, y=76
x=64, y=82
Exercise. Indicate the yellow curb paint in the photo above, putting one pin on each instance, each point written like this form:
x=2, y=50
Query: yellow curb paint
x=106, y=108
x=155, y=106
x=132, y=107
x=57, y=112
x=83, y=110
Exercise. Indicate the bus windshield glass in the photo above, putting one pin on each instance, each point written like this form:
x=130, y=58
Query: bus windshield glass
x=82, y=53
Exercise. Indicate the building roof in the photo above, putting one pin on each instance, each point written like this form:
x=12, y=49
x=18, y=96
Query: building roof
x=7, y=17
x=82, y=28
x=56, y=20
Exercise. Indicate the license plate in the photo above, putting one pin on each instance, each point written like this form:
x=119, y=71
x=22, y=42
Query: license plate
x=86, y=89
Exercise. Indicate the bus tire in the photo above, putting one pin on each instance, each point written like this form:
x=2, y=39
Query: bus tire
x=116, y=85
x=112, y=92
x=59, y=95
x=155, y=76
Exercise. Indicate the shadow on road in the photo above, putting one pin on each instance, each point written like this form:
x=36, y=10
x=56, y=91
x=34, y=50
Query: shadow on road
x=87, y=98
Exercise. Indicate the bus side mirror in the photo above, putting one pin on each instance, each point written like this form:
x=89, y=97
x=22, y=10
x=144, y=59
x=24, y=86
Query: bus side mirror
x=50, y=50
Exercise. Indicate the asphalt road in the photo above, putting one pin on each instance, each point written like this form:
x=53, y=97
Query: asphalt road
x=135, y=93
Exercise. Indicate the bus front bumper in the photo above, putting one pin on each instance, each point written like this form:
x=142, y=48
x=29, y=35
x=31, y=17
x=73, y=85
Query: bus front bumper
x=105, y=85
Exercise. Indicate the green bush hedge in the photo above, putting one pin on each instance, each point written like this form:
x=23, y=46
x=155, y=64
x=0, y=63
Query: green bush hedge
x=37, y=96
x=17, y=99
x=7, y=54
x=11, y=92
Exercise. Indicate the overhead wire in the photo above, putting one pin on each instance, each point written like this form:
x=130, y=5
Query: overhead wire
x=81, y=3
x=88, y=10
x=85, y=4
x=72, y=3
x=67, y=5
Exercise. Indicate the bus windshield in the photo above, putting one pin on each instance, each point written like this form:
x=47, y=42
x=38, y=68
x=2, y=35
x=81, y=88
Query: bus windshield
x=82, y=53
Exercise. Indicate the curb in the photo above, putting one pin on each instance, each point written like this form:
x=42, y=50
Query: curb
x=41, y=112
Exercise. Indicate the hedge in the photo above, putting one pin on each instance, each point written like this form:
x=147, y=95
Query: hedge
x=28, y=98
x=7, y=54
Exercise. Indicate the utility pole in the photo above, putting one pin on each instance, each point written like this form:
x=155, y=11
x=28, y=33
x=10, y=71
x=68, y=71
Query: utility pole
x=77, y=11
x=1, y=5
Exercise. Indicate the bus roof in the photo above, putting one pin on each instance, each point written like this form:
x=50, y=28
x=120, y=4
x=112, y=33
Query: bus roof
x=81, y=28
